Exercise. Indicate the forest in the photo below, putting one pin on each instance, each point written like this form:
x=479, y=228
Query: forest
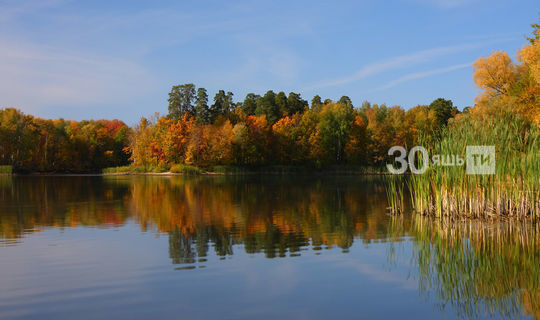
x=269, y=129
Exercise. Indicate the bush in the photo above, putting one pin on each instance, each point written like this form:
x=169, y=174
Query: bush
x=123, y=169
x=185, y=169
x=159, y=169
x=6, y=169
x=228, y=169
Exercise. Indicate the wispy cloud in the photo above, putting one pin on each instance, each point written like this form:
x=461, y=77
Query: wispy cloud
x=35, y=75
x=423, y=74
x=13, y=9
x=105, y=53
x=397, y=63
x=447, y=4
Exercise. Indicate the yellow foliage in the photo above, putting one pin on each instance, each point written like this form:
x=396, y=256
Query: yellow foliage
x=509, y=87
x=494, y=74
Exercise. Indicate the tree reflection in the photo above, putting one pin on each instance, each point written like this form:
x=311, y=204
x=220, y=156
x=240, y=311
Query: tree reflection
x=271, y=215
x=474, y=267
x=276, y=216
x=29, y=204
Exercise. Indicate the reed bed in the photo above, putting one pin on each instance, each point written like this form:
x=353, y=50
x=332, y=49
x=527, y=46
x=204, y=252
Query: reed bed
x=447, y=191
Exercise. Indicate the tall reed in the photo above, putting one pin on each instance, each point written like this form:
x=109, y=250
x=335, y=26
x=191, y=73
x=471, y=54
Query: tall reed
x=511, y=192
x=395, y=194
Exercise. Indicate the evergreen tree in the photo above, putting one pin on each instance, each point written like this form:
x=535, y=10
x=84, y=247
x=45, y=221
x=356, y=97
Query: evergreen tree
x=266, y=105
x=202, y=112
x=281, y=103
x=295, y=103
x=180, y=100
x=250, y=103
x=443, y=110
x=316, y=102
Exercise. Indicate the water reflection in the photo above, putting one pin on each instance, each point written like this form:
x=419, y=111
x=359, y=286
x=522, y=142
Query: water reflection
x=29, y=204
x=472, y=268
x=477, y=267
x=277, y=216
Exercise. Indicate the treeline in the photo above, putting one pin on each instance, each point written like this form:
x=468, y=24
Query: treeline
x=282, y=129
x=278, y=129
x=272, y=129
x=31, y=144
x=262, y=130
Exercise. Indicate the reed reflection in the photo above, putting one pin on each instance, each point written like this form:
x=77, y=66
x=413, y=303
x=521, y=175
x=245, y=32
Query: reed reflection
x=477, y=267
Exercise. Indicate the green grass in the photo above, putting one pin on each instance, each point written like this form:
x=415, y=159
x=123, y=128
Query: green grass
x=239, y=170
x=6, y=169
x=285, y=169
x=511, y=192
x=123, y=169
x=227, y=169
x=133, y=169
x=185, y=169
x=158, y=169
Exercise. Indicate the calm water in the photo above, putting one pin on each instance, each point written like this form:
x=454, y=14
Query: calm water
x=250, y=247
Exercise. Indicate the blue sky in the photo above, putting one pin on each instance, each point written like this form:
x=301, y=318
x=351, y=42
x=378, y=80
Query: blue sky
x=93, y=59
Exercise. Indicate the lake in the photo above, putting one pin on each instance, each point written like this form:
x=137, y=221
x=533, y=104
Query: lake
x=245, y=247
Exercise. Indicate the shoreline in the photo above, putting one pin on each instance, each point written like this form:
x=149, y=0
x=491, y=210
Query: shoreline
x=208, y=173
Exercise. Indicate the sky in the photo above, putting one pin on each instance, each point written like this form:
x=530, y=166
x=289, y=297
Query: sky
x=118, y=59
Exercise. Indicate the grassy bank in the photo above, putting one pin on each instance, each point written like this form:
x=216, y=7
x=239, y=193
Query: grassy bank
x=6, y=169
x=237, y=170
x=448, y=191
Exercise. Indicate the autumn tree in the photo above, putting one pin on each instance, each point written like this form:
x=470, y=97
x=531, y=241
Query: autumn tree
x=287, y=134
x=30, y=143
x=528, y=89
x=356, y=149
x=141, y=144
x=251, y=141
x=507, y=87
x=176, y=139
x=334, y=125
x=219, y=140
x=495, y=74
